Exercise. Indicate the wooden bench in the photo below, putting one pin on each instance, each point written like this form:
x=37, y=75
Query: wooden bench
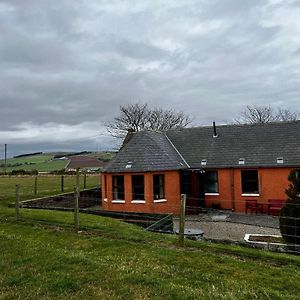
x=275, y=206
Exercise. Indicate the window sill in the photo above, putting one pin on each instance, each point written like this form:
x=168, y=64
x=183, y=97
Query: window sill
x=250, y=195
x=160, y=200
x=212, y=194
x=105, y=199
x=118, y=201
x=138, y=201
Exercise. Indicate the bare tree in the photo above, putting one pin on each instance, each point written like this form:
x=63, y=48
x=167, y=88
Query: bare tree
x=256, y=114
x=164, y=120
x=265, y=114
x=139, y=116
x=284, y=114
x=132, y=116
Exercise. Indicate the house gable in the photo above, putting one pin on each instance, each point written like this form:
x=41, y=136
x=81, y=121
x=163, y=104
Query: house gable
x=146, y=151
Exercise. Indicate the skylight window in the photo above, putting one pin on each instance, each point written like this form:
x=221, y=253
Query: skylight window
x=203, y=162
x=241, y=161
x=280, y=160
x=129, y=165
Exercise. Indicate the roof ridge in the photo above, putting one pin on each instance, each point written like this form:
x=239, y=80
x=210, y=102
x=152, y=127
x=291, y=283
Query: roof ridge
x=237, y=125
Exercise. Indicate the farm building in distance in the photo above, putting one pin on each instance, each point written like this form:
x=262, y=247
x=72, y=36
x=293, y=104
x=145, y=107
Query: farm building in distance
x=223, y=167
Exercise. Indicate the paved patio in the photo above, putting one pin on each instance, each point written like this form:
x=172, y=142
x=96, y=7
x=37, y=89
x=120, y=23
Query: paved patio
x=224, y=225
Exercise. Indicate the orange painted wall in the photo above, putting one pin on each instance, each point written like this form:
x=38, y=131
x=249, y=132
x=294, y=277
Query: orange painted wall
x=272, y=185
x=224, y=198
x=172, y=194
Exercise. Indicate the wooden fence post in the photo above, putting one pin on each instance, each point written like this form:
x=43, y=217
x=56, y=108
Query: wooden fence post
x=62, y=183
x=76, y=208
x=182, y=219
x=84, y=181
x=35, y=185
x=76, y=201
x=17, y=204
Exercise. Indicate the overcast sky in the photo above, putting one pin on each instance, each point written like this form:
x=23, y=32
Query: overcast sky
x=66, y=66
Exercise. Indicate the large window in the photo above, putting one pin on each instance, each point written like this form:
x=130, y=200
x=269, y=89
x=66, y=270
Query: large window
x=250, y=182
x=138, y=187
x=159, y=186
x=211, y=182
x=118, y=187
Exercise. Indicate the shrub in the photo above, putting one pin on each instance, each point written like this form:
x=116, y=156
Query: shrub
x=290, y=213
x=23, y=172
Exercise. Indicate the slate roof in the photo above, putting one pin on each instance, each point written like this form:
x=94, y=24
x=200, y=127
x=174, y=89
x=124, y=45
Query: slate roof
x=146, y=151
x=259, y=145
x=83, y=161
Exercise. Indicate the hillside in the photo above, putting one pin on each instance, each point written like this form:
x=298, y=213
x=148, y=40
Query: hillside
x=46, y=162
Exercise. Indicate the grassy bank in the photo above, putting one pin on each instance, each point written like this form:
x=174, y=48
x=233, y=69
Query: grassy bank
x=113, y=260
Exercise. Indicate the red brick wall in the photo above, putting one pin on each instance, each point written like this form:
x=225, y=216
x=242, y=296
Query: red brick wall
x=172, y=194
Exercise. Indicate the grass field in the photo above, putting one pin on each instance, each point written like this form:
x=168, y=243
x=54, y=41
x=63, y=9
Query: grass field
x=113, y=260
x=44, y=162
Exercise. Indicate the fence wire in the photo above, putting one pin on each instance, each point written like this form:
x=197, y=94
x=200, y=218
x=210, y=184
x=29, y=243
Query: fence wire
x=289, y=224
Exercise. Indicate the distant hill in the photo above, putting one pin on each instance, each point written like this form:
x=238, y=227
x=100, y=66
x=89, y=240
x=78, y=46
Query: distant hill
x=47, y=162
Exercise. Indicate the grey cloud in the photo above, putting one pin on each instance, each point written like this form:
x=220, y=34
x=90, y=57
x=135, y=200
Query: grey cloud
x=71, y=62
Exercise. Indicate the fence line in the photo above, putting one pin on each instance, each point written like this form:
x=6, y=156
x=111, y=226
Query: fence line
x=167, y=206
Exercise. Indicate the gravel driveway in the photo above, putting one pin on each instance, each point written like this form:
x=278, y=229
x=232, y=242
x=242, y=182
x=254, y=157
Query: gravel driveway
x=231, y=226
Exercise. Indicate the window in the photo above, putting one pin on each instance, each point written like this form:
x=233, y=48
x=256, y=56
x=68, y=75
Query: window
x=138, y=187
x=211, y=182
x=118, y=187
x=105, y=186
x=249, y=182
x=159, y=186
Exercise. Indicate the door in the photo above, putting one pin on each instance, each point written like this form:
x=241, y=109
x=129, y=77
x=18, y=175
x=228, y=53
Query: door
x=192, y=184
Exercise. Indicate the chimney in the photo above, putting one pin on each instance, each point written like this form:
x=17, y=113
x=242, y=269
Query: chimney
x=215, y=130
x=129, y=135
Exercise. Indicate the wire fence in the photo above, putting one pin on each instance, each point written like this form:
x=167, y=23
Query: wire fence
x=286, y=216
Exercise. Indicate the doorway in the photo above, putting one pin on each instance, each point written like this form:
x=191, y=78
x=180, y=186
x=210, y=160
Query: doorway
x=192, y=184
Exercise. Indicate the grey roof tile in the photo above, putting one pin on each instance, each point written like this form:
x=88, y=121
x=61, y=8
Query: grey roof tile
x=146, y=151
x=260, y=145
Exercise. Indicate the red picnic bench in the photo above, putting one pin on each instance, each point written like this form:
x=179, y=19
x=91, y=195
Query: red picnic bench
x=275, y=206
x=253, y=206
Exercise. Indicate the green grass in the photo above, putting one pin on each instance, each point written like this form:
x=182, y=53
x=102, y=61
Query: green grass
x=113, y=260
x=46, y=185
x=42, y=163
x=45, y=162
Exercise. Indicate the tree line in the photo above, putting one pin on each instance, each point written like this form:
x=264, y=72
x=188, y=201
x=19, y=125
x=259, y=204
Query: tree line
x=139, y=116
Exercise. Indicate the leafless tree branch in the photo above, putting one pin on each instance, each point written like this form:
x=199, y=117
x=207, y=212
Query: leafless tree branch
x=139, y=116
x=254, y=114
